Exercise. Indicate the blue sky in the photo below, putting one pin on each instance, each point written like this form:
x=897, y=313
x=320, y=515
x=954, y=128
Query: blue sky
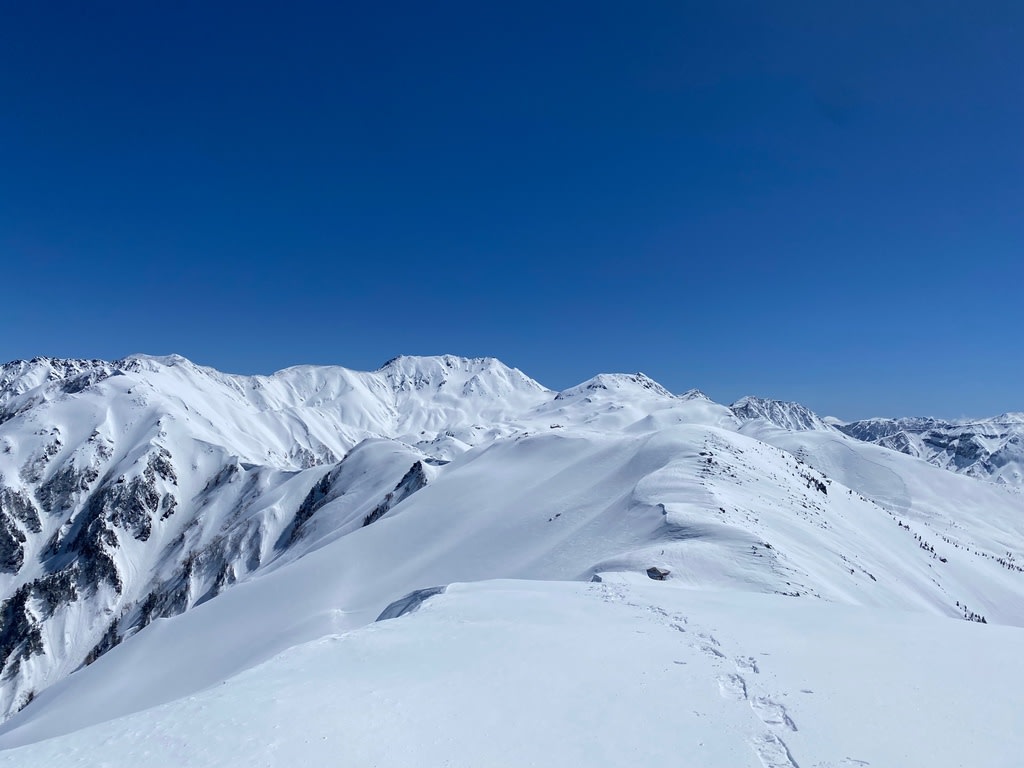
x=812, y=201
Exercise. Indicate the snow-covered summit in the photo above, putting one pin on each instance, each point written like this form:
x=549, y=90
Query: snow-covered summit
x=693, y=394
x=446, y=392
x=782, y=414
x=617, y=385
x=407, y=372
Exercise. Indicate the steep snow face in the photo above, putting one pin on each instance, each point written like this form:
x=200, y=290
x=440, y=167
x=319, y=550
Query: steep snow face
x=792, y=416
x=264, y=511
x=990, y=449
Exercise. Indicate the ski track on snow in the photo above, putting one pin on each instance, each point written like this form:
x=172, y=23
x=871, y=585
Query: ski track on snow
x=768, y=745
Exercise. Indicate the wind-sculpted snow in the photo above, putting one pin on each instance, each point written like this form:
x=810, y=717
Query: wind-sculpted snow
x=264, y=511
x=409, y=603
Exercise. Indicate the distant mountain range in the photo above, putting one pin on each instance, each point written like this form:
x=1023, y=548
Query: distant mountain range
x=290, y=506
x=989, y=449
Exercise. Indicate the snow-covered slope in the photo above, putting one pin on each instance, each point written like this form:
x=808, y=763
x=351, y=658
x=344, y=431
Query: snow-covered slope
x=610, y=674
x=263, y=513
x=988, y=449
x=136, y=489
x=991, y=449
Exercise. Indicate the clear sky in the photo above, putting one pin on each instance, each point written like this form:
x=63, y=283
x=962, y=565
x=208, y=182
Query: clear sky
x=816, y=201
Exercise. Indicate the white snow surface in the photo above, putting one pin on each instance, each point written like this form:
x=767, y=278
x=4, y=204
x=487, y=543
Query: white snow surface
x=272, y=519
x=513, y=673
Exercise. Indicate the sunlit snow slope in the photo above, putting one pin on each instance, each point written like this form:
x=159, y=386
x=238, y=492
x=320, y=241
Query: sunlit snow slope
x=611, y=674
x=164, y=526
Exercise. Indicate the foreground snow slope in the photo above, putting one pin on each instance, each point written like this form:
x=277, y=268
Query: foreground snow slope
x=974, y=529
x=611, y=674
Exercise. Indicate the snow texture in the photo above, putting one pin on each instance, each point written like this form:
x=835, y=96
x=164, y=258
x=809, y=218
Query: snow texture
x=208, y=553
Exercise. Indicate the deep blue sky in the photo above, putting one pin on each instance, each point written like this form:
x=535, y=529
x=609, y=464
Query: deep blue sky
x=818, y=201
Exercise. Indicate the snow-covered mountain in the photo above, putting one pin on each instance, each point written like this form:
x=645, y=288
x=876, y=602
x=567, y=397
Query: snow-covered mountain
x=792, y=416
x=167, y=526
x=991, y=449
x=988, y=449
x=135, y=489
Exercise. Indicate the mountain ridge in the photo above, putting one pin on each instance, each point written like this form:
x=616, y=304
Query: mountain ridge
x=148, y=487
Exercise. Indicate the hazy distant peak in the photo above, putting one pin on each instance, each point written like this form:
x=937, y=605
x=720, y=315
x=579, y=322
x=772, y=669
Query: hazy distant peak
x=168, y=360
x=638, y=383
x=475, y=373
x=785, y=415
x=693, y=394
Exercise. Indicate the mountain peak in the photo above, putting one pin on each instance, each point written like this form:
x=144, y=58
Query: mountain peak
x=617, y=382
x=785, y=415
x=475, y=375
x=694, y=394
x=171, y=359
